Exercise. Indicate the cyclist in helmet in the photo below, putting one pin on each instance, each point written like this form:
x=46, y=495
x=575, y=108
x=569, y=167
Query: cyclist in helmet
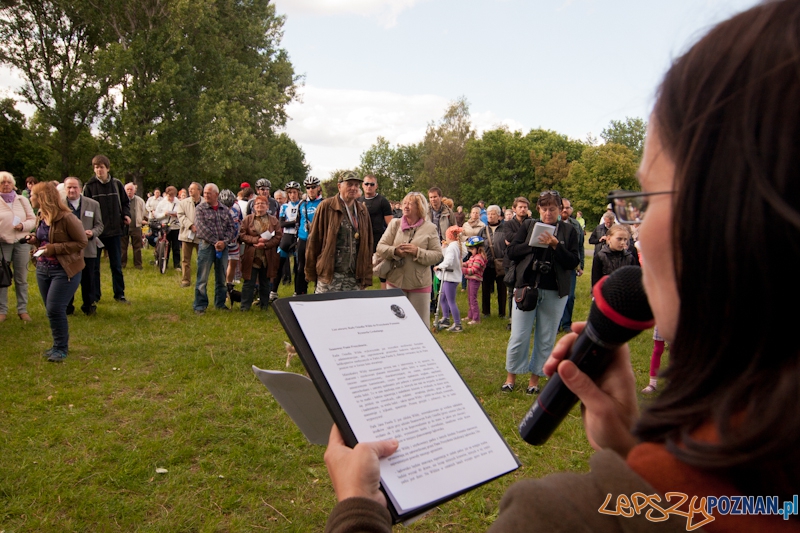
x=288, y=220
x=306, y=211
x=263, y=187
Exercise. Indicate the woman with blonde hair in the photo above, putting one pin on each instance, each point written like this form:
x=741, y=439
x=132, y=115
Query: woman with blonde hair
x=411, y=247
x=59, y=241
x=16, y=220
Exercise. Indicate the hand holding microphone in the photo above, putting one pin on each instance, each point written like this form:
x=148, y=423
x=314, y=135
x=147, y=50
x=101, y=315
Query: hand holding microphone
x=620, y=311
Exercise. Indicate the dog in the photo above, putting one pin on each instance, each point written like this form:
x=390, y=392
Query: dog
x=290, y=352
x=234, y=295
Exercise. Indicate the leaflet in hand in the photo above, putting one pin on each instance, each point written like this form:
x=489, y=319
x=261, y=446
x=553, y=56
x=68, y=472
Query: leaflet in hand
x=540, y=228
x=382, y=375
x=267, y=235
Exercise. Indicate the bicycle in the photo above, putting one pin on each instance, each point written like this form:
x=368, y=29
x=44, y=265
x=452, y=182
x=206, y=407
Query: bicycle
x=162, y=245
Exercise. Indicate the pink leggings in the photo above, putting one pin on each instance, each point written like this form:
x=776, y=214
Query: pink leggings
x=655, y=359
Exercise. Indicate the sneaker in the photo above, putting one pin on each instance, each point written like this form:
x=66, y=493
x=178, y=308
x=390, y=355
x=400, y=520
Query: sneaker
x=57, y=356
x=273, y=296
x=49, y=352
x=532, y=390
x=455, y=328
x=445, y=322
x=650, y=389
x=507, y=387
x=223, y=308
x=122, y=300
x=199, y=311
x=508, y=327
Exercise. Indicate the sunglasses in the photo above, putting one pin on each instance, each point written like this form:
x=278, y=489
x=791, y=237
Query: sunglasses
x=368, y=184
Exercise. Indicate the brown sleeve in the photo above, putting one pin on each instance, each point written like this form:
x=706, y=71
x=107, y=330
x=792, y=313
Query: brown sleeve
x=360, y=515
x=76, y=233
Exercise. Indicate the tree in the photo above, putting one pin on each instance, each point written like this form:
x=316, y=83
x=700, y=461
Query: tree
x=444, y=149
x=630, y=133
x=203, y=86
x=54, y=45
x=12, y=130
x=394, y=167
x=601, y=169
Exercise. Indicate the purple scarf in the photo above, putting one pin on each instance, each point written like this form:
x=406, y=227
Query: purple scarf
x=404, y=225
x=9, y=197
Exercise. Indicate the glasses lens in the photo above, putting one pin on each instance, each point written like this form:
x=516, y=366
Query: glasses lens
x=367, y=184
x=630, y=209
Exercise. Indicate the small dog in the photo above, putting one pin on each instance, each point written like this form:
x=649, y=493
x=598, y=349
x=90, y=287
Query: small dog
x=234, y=295
x=290, y=351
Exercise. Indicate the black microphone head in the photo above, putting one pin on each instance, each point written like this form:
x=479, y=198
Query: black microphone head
x=620, y=309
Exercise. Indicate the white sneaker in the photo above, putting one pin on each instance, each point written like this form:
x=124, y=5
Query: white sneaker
x=273, y=296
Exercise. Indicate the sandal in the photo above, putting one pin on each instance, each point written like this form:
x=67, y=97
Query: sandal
x=532, y=390
x=507, y=387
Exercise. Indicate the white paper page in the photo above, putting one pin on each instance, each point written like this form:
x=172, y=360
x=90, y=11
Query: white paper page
x=392, y=379
x=16, y=221
x=267, y=235
x=538, y=229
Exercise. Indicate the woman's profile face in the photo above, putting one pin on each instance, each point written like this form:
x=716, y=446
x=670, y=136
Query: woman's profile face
x=657, y=173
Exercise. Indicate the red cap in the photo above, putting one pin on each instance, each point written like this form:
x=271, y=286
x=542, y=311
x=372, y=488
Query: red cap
x=244, y=184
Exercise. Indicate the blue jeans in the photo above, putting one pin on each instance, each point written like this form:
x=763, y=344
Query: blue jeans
x=545, y=318
x=57, y=290
x=206, y=258
x=566, y=318
x=112, y=245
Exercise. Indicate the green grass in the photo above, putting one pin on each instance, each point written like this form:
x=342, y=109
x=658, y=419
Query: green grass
x=151, y=385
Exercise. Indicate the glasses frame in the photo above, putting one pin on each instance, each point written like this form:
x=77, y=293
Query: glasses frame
x=623, y=194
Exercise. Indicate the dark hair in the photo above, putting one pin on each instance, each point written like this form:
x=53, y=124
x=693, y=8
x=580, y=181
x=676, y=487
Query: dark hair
x=101, y=160
x=519, y=199
x=171, y=190
x=728, y=115
x=437, y=190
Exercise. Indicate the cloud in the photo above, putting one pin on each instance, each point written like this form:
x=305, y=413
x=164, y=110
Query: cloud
x=335, y=126
x=385, y=11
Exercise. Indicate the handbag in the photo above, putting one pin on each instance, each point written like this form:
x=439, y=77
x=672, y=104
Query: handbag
x=526, y=297
x=5, y=271
x=383, y=268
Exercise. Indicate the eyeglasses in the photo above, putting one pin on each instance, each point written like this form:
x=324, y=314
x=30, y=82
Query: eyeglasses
x=630, y=206
x=263, y=188
x=544, y=194
x=368, y=184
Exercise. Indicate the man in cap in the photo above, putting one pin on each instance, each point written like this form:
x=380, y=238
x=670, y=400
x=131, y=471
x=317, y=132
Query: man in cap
x=339, y=250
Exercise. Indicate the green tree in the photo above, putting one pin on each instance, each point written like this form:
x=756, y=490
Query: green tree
x=203, y=86
x=12, y=130
x=395, y=167
x=630, y=133
x=601, y=169
x=54, y=45
x=444, y=149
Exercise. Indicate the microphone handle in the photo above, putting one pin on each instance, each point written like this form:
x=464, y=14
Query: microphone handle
x=592, y=357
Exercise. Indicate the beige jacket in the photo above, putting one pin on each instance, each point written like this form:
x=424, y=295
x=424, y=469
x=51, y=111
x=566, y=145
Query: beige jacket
x=21, y=208
x=411, y=273
x=471, y=230
x=186, y=210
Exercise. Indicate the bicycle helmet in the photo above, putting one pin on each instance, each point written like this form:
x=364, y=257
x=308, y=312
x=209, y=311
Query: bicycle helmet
x=264, y=182
x=292, y=185
x=226, y=198
x=474, y=241
x=311, y=181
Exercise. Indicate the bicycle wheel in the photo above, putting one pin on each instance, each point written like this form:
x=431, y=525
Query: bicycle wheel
x=161, y=256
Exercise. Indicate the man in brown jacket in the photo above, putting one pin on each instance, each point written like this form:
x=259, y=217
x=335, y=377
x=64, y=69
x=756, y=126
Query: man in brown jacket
x=339, y=251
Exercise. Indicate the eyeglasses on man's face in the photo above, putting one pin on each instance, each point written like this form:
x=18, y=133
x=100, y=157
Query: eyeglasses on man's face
x=630, y=206
x=368, y=184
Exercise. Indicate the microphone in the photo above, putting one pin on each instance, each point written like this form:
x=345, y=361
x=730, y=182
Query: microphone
x=619, y=312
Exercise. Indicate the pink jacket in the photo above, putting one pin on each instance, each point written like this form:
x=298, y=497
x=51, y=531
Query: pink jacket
x=21, y=208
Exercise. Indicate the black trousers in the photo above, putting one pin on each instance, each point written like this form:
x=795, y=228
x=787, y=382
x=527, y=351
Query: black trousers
x=300, y=283
x=492, y=282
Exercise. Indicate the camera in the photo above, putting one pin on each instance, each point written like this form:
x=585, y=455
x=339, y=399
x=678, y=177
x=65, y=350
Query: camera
x=543, y=267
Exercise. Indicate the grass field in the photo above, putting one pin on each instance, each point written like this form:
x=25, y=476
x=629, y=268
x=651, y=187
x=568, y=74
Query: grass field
x=152, y=386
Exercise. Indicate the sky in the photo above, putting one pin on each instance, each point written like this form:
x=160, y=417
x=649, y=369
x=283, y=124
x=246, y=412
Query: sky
x=389, y=68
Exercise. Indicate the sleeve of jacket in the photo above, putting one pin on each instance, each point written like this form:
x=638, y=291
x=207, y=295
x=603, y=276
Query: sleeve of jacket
x=183, y=220
x=76, y=233
x=594, y=238
x=97, y=227
x=385, y=248
x=125, y=202
x=518, y=247
x=431, y=253
x=30, y=218
x=567, y=254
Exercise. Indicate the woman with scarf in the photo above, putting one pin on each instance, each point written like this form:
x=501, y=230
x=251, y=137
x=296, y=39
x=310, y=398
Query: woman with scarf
x=411, y=247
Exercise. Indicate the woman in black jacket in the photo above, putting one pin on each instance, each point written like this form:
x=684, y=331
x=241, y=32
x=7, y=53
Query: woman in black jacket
x=546, y=268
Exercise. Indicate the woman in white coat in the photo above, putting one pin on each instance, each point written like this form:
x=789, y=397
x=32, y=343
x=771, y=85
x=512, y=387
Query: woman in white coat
x=449, y=271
